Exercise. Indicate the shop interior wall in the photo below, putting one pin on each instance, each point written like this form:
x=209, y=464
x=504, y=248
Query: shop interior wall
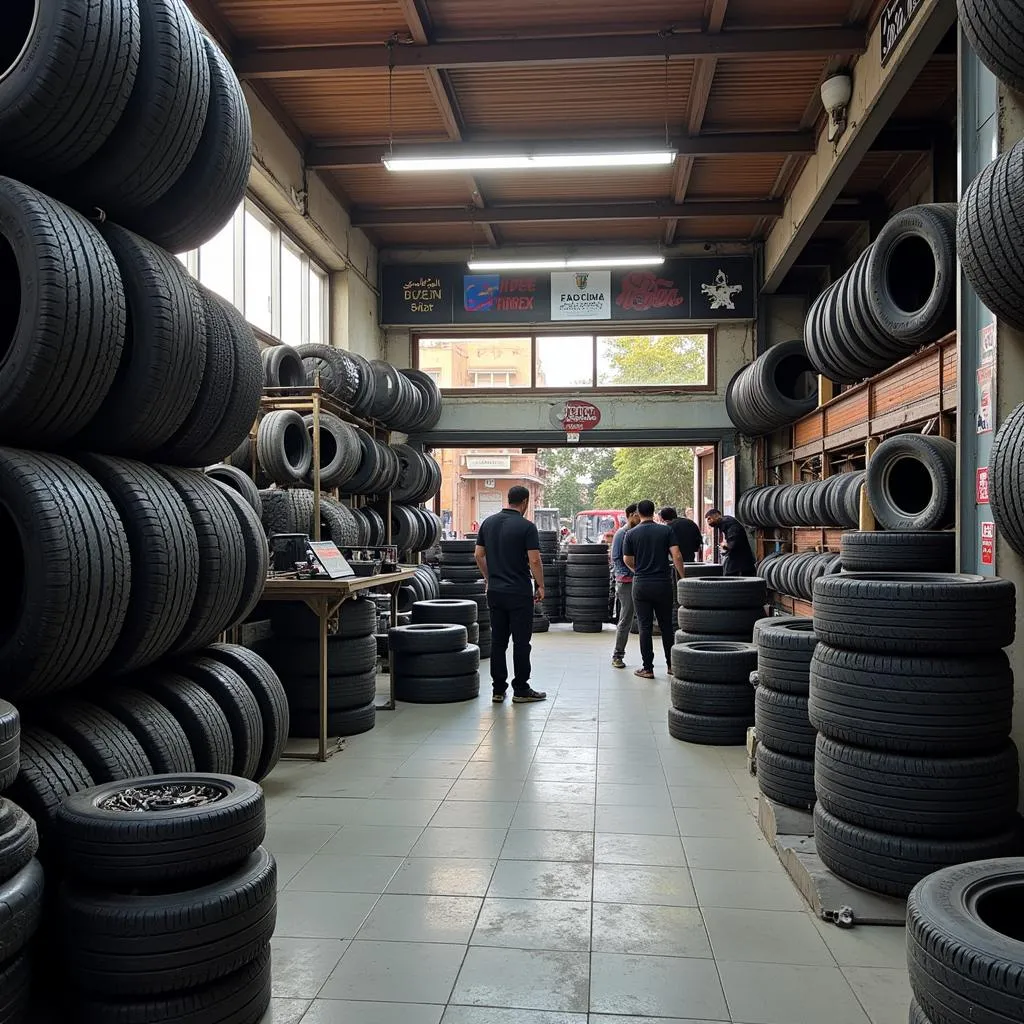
x=305, y=205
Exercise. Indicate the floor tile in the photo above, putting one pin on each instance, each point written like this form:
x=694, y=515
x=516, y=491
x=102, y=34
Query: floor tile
x=327, y=873
x=443, y=876
x=552, y=845
x=321, y=915
x=301, y=966
x=547, y=772
x=746, y=890
x=524, y=979
x=473, y=814
x=884, y=993
x=285, y=1011
x=657, y=986
x=559, y=793
x=344, y=1011
x=567, y=755
x=307, y=839
x=643, y=884
x=766, y=936
x=501, y=790
x=491, y=1015
x=473, y=843
x=396, y=972
x=423, y=768
x=607, y=1018
x=614, y=794
x=707, y=797
x=542, y=880
x=649, y=930
x=534, y=924
x=421, y=919
x=664, y=851
x=730, y=855
x=715, y=823
x=644, y=821
x=760, y=993
x=413, y=789
x=288, y=866
x=372, y=841
x=564, y=817
x=864, y=946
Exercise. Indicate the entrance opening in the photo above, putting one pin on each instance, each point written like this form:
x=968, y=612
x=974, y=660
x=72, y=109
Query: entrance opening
x=20, y=17
x=10, y=296
x=910, y=486
x=912, y=286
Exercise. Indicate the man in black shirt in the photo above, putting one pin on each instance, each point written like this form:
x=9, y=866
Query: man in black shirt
x=686, y=533
x=737, y=558
x=646, y=549
x=507, y=552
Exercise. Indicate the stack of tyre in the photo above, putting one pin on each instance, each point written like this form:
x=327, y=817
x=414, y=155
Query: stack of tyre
x=899, y=551
x=785, y=736
x=220, y=710
x=169, y=902
x=719, y=608
x=794, y=574
x=424, y=586
x=294, y=652
x=900, y=294
x=587, y=587
x=911, y=696
x=834, y=502
x=712, y=700
x=291, y=511
x=461, y=579
x=21, y=880
x=434, y=662
x=777, y=388
x=911, y=483
x=552, y=603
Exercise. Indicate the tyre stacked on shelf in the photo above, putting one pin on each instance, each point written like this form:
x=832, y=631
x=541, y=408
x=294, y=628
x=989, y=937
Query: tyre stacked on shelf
x=169, y=901
x=899, y=551
x=785, y=736
x=832, y=502
x=587, y=587
x=794, y=574
x=294, y=653
x=434, y=663
x=712, y=700
x=911, y=696
x=722, y=608
x=461, y=579
x=911, y=483
x=551, y=606
x=777, y=388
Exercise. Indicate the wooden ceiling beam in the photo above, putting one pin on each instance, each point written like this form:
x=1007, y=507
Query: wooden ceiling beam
x=312, y=60
x=521, y=213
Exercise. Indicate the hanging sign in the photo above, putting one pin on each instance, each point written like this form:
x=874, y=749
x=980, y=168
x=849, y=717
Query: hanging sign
x=988, y=543
x=575, y=416
x=583, y=295
x=981, y=487
x=893, y=23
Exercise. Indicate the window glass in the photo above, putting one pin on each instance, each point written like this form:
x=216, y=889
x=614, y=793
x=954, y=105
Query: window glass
x=217, y=262
x=477, y=362
x=565, y=362
x=291, y=294
x=652, y=359
x=317, y=305
x=259, y=263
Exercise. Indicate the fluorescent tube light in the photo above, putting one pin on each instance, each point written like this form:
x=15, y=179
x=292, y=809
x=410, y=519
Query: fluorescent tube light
x=576, y=263
x=525, y=162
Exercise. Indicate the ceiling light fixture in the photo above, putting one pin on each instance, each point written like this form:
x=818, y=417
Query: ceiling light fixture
x=529, y=161
x=575, y=263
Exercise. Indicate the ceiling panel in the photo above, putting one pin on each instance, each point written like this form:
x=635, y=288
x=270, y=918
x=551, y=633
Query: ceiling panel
x=749, y=177
x=762, y=94
x=304, y=22
x=428, y=236
x=786, y=13
x=697, y=229
x=579, y=186
x=376, y=186
x=595, y=231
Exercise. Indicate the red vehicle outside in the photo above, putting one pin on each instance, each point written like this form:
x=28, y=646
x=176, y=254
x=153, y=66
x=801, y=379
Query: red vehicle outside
x=591, y=525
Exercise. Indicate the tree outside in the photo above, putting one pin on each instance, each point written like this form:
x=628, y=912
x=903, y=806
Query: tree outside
x=574, y=474
x=665, y=475
x=653, y=359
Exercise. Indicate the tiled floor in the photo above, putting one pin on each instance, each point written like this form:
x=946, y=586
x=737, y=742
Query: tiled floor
x=556, y=863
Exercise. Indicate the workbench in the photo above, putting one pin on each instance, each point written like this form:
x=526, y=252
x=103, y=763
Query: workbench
x=324, y=597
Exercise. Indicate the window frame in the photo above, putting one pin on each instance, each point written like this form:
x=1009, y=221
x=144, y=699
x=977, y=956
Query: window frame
x=604, y=330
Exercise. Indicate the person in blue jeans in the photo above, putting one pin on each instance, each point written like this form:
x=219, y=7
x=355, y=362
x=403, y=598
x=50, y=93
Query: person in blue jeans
x=508, y=554
x=623, y=589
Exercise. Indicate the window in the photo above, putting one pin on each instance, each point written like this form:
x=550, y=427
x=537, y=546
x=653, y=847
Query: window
x=259, y=271
x=217, y=263
x=292, y=304
x=317, y=303
x=568, y=362
x=434, y=375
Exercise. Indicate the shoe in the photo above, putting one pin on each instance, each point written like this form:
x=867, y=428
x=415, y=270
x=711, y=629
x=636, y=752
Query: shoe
x=617, y=662
x=497, y=698
x=529, y=697
x=644, y=673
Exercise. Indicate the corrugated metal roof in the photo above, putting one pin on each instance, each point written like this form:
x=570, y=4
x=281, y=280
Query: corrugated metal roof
x=935, y=86
x=766, y=93
x=376, y=186
x=325, y=22
x=786, y=13
x=717, y=228
x=579, y=186
x=752, y=177
x=429, y=235
x=595, y=231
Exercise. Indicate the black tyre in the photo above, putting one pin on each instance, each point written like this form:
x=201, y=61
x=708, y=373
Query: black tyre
x=160, y=127
x=712, y=698
x=785, y=779
x=345, y=692
x=306, y=724
x=777, y=388
x=157, y=730
x=427, y=638
x=450, y=663
x=578, y=626
x=457, y=546
x=68, y=574
x=107, y=748
x=339, y=450
x=239, y=482
x=21, y=897
x=63, y=313
x=15, y=989
x=164, y=557
x=784, y=650
x=899, y=551
x=288, y=511
x=140, y=944
x=682, y=637
x=451, y=611
x=355, y=619
x=204, y=198
x=257, y=557
x=235, y=699
x=283, y=447
x=416, y=689
x=893, y=864
x=50, y=771
x=739, y=621
x=915, y=705
x=714, y=662
x=474, y=590
x=781, y=720
x=10, y=743
x=266, y=687
x=239, y=998
x=726, y=593
x=159, y=831
x=222, y=558
x=911, y=482
x=205, y=724
x=963, y=944
x=19, y=839
x=345, y=655
x=709, y=730
x=915, y=614
x=942, y=797
x=1006, y=479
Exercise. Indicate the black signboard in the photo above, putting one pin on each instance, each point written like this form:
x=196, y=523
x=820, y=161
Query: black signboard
x=704, y=289
x=894, y=22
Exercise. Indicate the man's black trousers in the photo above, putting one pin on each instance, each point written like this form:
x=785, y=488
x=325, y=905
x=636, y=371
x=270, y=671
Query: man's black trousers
x=652, y=600
x=511, y=617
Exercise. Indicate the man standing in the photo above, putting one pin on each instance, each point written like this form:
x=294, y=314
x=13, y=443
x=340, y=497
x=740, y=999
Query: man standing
x=507, y=552
x=685, y=532
x=646, y=551
x=623, y=591
x=737, y=558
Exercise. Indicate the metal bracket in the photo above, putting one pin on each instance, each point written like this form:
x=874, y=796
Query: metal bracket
x=841, y=918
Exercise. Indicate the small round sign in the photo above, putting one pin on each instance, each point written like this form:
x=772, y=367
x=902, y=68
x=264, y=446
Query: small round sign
x=575, y=416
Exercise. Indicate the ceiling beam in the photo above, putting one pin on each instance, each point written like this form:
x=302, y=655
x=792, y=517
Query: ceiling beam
x=915, y=138
x=417, y=19
x=325, y=155
x=313, y=60
x=522, y=213
x=856, y=211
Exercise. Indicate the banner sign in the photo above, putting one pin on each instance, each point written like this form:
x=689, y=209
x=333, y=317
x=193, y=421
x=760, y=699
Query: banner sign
x=704, y=290
x=894, y=21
